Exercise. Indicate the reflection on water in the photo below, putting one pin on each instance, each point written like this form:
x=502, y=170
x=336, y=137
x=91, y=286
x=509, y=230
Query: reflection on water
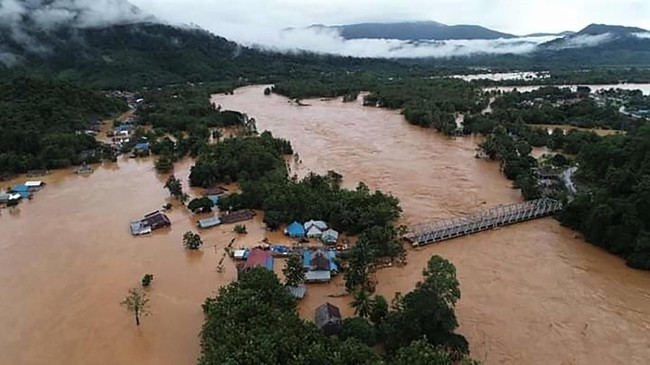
x=532, y=293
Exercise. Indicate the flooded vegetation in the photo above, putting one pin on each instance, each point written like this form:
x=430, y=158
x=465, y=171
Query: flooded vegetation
x=531, y=293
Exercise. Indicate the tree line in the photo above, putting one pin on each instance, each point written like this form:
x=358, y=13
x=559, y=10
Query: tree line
x=612, y=208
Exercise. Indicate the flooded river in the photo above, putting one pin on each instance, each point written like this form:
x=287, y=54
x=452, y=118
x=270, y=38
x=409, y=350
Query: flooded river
x=531, y=293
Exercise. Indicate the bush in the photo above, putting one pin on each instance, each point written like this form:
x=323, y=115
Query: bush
x=192, y=241
x=360, y=329
x=146, y=280
x=240, y=229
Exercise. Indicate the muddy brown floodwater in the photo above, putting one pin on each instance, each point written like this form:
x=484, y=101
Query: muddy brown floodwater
x=531, y=293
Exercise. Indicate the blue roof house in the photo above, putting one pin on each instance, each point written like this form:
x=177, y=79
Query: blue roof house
x=22, y=189
x=295, y=230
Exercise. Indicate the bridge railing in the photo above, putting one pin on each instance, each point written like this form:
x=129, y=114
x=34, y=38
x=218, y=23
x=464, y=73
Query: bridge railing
x=502, y=215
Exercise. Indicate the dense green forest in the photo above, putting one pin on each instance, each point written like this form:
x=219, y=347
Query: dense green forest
x=39, y=119
x=554, y=105
x=613, y=206
x=254, y=321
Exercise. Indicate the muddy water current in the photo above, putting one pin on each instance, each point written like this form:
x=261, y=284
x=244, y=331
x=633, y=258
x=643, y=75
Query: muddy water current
x=531, y=294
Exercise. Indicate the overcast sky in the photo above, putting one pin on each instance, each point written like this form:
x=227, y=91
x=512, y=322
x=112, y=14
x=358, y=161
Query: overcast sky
x=247, y=20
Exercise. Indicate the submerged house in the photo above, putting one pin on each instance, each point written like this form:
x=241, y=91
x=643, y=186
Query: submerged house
x=328, y=319
x=256, y=257
x=215, y=190
x=330, y=236
x=5, y=198
x=318, y=224
x=22, y=189
x=238, y=216
x=314, y=232
x=208, y=222
x=34, y=185
x=295, y=230
x=149, y=223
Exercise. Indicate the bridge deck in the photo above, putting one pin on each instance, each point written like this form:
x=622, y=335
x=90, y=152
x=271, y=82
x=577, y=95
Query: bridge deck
x=502, y=215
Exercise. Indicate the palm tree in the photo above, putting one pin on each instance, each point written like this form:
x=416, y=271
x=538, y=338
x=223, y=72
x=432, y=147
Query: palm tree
x=362, y=303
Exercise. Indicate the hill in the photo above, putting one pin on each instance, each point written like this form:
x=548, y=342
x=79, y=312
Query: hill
x=413, y=31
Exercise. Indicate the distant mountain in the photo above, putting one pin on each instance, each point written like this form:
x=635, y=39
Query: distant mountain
x=610, y=37
x=414, y=31
x=595, y=29
x=598, y=44
x=560, y=34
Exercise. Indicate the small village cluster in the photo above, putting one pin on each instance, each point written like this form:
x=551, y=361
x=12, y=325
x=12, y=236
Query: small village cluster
x=319, y=261
x=13, y=195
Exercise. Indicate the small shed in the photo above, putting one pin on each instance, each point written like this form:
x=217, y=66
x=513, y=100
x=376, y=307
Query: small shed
x=34, y=184
x=240, y=254
x=297, y=291
x=214, y=199
x=314, y=232
x=330, y=236
x=296, y=230
x=208, y=222
x=321, y=276
x=328, y=319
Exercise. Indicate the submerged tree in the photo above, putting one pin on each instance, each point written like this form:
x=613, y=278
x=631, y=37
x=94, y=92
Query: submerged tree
x=294, y=271
x=362, y=303
x=175, y=187
x=192, y=241
x=146, y=280
x=137, y=303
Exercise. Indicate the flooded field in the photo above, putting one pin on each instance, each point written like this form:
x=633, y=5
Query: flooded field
x=531, y=293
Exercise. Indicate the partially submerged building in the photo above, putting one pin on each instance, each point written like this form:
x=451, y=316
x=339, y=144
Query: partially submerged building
x=328, y=319
x=330, y=236
x=208, y=222
x=320, y=265
x=149, y=223
x=215, y=190
x=5, y=198
x=256, y=257
x=238, y=216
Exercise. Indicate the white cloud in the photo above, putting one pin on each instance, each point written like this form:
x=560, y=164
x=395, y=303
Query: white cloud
x=642, y=35
x=329, y=41
x=584, y=40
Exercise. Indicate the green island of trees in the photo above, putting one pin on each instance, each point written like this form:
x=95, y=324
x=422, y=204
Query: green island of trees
x=612, y=208
x=43, y=124
x=255, y=321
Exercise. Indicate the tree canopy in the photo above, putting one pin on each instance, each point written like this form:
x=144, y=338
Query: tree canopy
x=39, y=121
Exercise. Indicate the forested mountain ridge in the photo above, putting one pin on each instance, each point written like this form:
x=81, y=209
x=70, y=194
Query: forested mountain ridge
x=413, y=31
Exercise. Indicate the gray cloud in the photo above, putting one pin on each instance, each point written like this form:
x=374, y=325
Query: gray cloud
x=22, y=18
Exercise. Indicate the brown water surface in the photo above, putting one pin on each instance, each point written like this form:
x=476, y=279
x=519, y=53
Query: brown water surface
x=532, y=293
